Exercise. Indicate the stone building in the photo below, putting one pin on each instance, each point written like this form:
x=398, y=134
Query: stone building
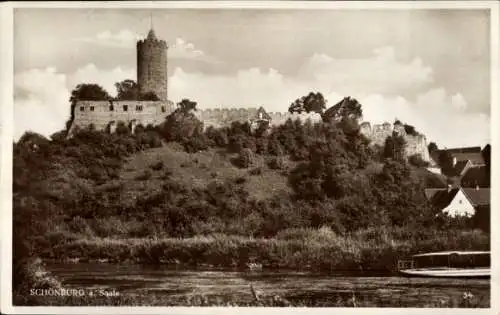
x=415, y=144
x=104, y=114
x=152, y=61
x=152, y=77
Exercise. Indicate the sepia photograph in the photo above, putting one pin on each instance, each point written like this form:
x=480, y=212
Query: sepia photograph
x=266, y=154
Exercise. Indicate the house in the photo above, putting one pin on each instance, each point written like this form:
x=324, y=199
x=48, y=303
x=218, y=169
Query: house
x=459, y=201
x=462, y=159
x=260, y=115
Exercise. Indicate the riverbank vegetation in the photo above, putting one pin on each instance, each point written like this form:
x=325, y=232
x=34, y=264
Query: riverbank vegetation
x=297, y=195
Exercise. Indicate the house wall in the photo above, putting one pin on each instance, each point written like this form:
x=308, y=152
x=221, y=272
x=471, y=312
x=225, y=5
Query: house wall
x=460, y=206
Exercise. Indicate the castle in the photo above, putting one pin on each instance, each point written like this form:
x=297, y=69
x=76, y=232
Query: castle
x=415, y=143
x=152, y=77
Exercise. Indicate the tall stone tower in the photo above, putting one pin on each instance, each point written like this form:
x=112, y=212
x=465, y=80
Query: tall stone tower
x=152, y=66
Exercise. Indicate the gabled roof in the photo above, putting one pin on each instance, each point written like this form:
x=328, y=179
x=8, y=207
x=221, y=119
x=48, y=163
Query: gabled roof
x=261, y=114
x=478, y=196
x=333, y=109
x=439, y=197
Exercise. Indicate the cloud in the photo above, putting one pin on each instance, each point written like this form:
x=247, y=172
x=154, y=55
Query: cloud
x=104, y=77
x=185, y=50
x=40, y=101
x=386, y=87
x=41, y=96
x=124, y=38
x=127, y=39
x=380, y=73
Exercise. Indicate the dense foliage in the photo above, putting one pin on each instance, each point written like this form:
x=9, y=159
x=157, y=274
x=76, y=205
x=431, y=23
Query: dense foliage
x=68, y=189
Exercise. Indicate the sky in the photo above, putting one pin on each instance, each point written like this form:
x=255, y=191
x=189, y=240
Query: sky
x=428, y=68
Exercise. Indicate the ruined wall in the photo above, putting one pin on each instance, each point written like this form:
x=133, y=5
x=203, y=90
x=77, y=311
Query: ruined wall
x=219, y=117
x=152, y=66
x=101, y=113
x=415, y=144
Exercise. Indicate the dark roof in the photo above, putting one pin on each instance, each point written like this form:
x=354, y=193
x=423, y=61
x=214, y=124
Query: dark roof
x=333, y=109
x=478, y=197
x=265, y=115
x=465, y=150
x=477, y=175
x=460, y=166
x=441, y=198
x=151, y=34
x=476, y=158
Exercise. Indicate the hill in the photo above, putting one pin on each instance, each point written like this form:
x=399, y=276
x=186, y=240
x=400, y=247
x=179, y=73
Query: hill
x=197, y=170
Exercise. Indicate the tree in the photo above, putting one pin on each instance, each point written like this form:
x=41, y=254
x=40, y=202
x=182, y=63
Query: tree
x=410, y=130
x=432, y=148
x=185, y=106
x=148, y=96
x=182, y=124
x=127, y=90
x=313, y=102
x=486, y=152
x=445, y=161
x=86, y=92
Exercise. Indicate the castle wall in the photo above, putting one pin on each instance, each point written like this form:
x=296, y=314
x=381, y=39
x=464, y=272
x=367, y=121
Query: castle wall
x=218, y=117
x=101, y=113
x=379, y=133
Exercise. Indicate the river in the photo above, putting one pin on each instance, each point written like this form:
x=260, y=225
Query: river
x=309, y=289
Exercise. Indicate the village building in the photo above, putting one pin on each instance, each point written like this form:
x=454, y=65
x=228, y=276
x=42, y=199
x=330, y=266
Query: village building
x=459, y=201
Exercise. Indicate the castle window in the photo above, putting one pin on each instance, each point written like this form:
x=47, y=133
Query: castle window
x=163, y=109
x=111, y=108
x=125, y=108
x=82, y=108
x=138, y=108
x=91, y=108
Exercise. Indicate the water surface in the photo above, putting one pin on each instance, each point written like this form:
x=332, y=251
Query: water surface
x=313, y=289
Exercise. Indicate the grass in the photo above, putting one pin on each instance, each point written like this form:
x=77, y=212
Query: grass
x=311, y=249
x=198, y=170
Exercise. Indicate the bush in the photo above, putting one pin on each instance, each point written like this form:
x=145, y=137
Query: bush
x=245, y=158
x=417, y=161
x=122, y=128
x=157, y=166
x=195, y=144
x=256, y=171
x=277, y=163
x=144, y=176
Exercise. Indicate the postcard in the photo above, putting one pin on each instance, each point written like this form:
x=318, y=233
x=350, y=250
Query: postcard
x=217, y=157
